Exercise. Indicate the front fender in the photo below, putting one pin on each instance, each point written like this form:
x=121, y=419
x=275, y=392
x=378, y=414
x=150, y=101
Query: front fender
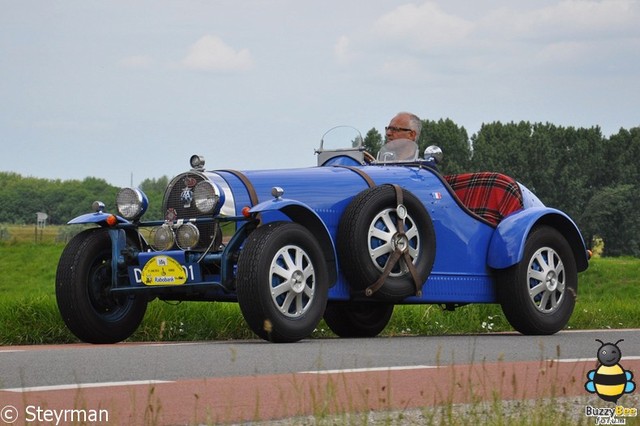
x=303, y=214
x=507, y=243
x=99, y=218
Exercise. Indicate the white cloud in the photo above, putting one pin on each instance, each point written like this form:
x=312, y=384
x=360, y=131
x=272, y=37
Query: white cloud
x=210, y=53
x=577, y=19
x=423, y=27
x=589, y=17
x=435, y=38
x=568, y=36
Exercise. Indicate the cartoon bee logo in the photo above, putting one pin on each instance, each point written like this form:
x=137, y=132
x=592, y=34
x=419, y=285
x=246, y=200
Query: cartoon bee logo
x=609, y=381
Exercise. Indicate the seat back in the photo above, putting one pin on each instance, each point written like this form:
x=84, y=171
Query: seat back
x=488, y=194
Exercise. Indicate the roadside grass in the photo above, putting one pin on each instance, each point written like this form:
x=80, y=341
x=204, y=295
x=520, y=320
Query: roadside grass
x=608, y=297
x=496, y=412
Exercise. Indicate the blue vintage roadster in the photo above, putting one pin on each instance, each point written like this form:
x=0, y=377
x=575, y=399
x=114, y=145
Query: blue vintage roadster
x=346, y=240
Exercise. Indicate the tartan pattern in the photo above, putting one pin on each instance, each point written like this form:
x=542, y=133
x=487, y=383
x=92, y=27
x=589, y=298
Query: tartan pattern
x=489, y=195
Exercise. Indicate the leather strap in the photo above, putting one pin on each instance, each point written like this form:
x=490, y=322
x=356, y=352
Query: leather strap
x=397, y=254
x=247, y=183
x=361, y=173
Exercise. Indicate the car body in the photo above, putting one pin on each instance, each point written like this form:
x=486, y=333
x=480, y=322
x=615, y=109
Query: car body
x=345, y=240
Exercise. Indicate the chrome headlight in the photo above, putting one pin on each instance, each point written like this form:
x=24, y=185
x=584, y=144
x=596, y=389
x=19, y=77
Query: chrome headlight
x=197, y=162
x=206, y=196
x=187, y=236
x=162, y=238
x=131, y=203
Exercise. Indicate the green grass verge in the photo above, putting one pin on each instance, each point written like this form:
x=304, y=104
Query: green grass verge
x=607, y=298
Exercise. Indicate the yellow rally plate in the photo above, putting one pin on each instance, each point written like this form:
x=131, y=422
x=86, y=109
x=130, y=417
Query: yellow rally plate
x=163, y=270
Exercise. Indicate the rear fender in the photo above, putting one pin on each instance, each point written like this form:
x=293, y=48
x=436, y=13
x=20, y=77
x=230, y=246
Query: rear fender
x=301, y=213
x=507, y=243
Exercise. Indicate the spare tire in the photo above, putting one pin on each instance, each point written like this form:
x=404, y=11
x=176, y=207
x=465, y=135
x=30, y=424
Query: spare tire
x=368, y=235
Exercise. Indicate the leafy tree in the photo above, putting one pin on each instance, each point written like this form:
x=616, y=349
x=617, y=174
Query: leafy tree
x=22, y=197
x=501, y=148
x=620, y=157
x=611, y=214
x=154, y=188
x=373, y=141
x=452, y=139
x=576, y=169
x=559, y=164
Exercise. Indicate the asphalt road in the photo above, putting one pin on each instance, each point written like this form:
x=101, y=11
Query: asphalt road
x=35, y=366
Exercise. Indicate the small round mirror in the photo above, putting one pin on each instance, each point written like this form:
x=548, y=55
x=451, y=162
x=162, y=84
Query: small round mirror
x=433, y=153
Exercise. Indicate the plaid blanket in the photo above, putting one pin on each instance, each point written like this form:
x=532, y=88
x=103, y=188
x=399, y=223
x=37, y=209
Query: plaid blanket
x=489, y=195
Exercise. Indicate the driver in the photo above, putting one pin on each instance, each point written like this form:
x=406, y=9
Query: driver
x=402, y=135
x=403, y=126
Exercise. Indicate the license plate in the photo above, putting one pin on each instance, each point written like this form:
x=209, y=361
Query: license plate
x=163, y=270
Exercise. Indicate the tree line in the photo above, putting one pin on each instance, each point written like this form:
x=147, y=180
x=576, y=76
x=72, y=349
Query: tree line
x=22, y=197
x=593, y=178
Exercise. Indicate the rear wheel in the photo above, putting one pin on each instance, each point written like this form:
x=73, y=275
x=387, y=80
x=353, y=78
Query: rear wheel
x=282, y=282
x=83, y=284
x=539, y=293
x=358, y=319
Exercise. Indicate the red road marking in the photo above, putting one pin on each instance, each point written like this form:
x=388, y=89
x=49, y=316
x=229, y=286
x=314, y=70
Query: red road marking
x=247, y=398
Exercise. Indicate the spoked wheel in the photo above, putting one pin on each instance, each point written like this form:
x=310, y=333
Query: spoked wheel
x=83, y=284
x=357, y=319
x=538, y=294
x=282, y=282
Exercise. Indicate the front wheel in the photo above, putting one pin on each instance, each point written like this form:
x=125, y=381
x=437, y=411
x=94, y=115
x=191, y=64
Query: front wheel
x=83, y=284
x=539, y=293
x=282, y=282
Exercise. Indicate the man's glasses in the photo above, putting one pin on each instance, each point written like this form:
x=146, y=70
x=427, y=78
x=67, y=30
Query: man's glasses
x=396, y=129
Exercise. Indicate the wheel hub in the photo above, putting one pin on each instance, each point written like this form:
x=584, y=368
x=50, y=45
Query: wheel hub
x=292, y=279
x=400, y=242
x=552, y=281
x=297, y=281
x=386, y=236
x=546, y=279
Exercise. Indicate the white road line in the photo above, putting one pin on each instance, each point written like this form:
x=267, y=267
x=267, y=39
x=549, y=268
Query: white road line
x=6, y=351
x=593, y=359
x=85, y=385
x=366, y=370
x=154, y=344
x=421, y=367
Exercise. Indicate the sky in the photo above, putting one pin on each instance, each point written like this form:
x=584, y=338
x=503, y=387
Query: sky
x=129, y=90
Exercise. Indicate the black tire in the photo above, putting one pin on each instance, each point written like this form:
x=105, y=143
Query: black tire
x=365, y=235
x=282, y=282
x=357, y=319
x=83, y=281
x=538, y=294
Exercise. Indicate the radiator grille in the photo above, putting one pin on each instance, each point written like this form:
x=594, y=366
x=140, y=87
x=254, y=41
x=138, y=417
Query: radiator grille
x=174, y=208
